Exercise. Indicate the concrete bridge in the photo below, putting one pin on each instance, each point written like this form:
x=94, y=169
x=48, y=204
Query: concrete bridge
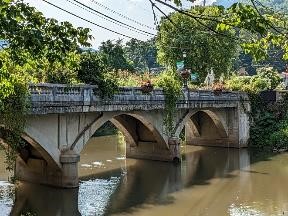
x=62, y=119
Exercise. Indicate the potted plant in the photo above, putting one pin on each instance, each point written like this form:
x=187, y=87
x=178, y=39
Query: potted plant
x=147, y=87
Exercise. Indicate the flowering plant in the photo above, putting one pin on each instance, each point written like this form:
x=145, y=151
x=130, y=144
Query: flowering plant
x=218, y=88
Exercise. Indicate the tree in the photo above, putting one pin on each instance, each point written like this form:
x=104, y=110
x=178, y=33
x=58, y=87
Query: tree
x=142, y=54
x=93, y=70
x=114, y=56
x=204, y=50
x=44, y=48
x=27, y=30
x=38, y=50
x=269, y=25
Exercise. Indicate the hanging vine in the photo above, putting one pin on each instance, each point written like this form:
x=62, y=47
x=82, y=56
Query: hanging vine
x=170, y=82
x=13, y=106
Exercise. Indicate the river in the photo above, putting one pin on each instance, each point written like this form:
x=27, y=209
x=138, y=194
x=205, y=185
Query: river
x=209, y=181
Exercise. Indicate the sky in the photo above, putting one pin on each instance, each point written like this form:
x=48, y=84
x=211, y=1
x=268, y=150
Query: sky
x=139, y=11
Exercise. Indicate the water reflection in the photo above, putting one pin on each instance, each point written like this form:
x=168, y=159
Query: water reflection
x=31, y=199
x=152, y=182
x=209, y=181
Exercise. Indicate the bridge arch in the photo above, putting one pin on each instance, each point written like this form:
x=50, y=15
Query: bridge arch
x=35, y=150
x=51, y=161
x=127, y=123
x=194, y=124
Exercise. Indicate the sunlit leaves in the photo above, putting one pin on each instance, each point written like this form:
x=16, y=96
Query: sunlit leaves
x=205, y=49
x=28, y=30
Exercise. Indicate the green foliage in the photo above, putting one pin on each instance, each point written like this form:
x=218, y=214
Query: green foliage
x=114, y=56
x=106, y=129
x=238, y=83
x=268, y=121
x=92, y=70
x=265, y=21
x=266, y=27
x=39, y=50
x=279, y=138
x=204, y=50
x=13, y=104
x=266, y=79
x=270, y=75
x=172, y=88
x=27, y=30
x=142, y=54
x=269, y=124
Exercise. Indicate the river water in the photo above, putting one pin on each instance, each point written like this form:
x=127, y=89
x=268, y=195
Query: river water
x=209, y=181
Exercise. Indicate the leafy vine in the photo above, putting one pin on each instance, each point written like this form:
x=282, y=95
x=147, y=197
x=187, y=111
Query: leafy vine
x=12, y=121
x=171, y=84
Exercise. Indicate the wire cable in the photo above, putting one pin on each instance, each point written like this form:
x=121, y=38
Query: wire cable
x=93, y=23
x=112, y=18
x=121, y=15
x=106, y=18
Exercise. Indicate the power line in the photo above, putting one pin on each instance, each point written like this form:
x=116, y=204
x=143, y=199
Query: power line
x=87, y=20
x=196, y=19
x=106, y=18
x=113, y=18
x=121, y=15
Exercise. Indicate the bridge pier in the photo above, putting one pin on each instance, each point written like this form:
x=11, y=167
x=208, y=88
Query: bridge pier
x=40, y=172
x=69, y=161
x=218, y=127
x=150, y=151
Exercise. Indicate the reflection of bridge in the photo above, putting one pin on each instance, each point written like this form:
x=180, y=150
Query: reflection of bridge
x=63, y=118
x=142, y=184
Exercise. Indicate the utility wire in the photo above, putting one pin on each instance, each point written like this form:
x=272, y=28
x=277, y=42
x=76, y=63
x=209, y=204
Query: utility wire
x=121, y=15
x=196, y=19
x=162, y=12
x=106, y=18
x=112, y=18
x=124, y=35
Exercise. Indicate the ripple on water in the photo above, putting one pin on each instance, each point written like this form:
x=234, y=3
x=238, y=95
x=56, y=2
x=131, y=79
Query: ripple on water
x=94, y=195
x=241, y=210
x=6, y=197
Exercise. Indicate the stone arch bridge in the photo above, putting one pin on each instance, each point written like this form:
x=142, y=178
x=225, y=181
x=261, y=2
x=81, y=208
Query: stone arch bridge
x=62, y=119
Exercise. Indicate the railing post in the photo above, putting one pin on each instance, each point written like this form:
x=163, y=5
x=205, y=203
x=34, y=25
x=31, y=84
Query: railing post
x=87, y=94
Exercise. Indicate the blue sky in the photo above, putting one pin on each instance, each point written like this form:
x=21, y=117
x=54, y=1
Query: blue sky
x=138, y=10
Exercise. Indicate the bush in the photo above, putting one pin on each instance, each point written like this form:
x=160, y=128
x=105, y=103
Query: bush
x=271, y=75
x=238, y=83
x=266, y=79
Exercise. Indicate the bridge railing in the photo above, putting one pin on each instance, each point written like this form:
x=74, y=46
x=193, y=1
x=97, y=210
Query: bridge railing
x=60, y=92
x=56, y=95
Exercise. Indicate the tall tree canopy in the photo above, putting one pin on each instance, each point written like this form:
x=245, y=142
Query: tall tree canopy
x=204, y=50
x=114, y=56
x=142, y=54
x=26, y=29
x=268, y=24
x=43, y=48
